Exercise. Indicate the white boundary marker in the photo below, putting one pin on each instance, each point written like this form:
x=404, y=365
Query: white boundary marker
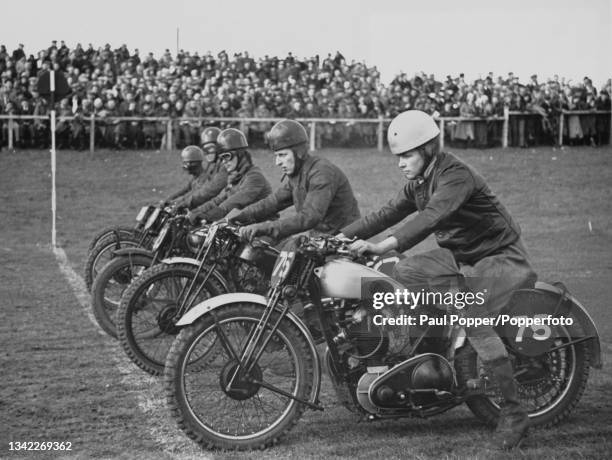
x=130, y=376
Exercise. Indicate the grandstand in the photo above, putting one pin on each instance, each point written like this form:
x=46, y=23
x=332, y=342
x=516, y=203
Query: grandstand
x=124, y=100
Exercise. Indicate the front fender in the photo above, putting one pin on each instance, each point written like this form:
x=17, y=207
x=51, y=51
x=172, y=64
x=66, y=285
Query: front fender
x=214, y=302
x=196, y=263
x=181, y=260
x=237, y=297
x=133, y=252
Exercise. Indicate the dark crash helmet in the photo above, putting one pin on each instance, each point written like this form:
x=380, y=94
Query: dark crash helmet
x=208, y=140
x=192, y=157
x=287, y=134
x=231, y=139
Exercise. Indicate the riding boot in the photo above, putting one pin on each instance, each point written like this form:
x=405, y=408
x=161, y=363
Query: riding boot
x=513, y=420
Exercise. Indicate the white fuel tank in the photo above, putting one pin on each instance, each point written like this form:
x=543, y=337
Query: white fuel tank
x=341, y=278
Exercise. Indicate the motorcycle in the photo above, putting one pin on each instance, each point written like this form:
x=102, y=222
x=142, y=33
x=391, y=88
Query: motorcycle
x=151, y=306
x=128, y=263
x=149, y=221
x=244, y=367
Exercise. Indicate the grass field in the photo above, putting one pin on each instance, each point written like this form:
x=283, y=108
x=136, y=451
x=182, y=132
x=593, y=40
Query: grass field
x=64, y=380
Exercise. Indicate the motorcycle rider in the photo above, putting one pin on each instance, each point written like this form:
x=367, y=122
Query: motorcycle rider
x=212, y=177
x=246, y=183
x=477, y=237
x=192, y=157
x=318, y=189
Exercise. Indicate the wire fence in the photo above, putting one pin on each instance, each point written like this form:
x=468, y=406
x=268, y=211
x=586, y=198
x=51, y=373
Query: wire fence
x=511, y=129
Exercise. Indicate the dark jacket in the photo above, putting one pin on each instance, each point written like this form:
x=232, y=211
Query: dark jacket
x=213, y=180
x=322, y=197
x=250, y=187
x=454, y=202
x=194, y=183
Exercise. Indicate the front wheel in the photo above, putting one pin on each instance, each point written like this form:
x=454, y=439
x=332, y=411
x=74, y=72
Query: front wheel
x=149, y=309
x=220, y=405
x=109, y=286
x=123, y=230
x=549, y=385
x=102, y=253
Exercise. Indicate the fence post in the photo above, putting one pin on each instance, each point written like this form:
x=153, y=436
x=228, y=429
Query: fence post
x=169, y=135
x=561, y=120
x=313, y=136
x=10, y=132
x=505, y=127
x=92, y=134
x=441, y=133
x=380, y=133
x=242, y=127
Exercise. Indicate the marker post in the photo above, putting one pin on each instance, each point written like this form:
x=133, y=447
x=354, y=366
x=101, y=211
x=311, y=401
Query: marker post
x=53, y=162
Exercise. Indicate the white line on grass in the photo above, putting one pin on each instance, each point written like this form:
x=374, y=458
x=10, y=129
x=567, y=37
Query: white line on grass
x=133, y=378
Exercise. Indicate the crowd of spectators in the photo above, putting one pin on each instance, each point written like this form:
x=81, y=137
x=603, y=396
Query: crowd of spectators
x=108, y=82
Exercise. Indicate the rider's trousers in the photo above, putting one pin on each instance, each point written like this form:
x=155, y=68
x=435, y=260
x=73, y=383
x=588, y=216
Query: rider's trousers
x=492, y=279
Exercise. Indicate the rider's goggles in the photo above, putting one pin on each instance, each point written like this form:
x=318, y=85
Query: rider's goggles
x=226, y=156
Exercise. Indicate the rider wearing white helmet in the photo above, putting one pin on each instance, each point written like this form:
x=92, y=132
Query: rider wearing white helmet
x=478, y=241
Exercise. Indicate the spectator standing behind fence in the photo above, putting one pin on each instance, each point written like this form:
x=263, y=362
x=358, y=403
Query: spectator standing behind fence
x=587, y=121
x=574, y=127
x=464, y=131
x=602, y=125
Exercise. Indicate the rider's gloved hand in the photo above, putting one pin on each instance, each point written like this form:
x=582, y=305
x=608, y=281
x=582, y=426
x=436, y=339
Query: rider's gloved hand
x=361, y=247
x=251, y=231
x=194, y=219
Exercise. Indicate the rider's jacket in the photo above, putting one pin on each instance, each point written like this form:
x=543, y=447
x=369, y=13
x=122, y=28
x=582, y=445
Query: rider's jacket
x=209, y=184
x=322, y=197
x=455, y=203
x=242, y=189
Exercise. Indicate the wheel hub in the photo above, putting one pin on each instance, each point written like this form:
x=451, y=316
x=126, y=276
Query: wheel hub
x=167, y=318
x=123, y=276
x=242, y=386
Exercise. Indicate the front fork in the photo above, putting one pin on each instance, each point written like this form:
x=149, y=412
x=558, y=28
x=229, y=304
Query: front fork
x=256, y=343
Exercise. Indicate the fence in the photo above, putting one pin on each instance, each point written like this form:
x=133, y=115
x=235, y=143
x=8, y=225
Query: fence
x=310, y=123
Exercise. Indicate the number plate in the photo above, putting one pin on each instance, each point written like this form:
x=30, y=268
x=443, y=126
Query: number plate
x=283, y=265
x=528, y=332
x=212, y=231
x=160, y=238
x=142, y=213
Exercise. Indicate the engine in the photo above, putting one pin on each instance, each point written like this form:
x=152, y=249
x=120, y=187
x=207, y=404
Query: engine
x=418, y=383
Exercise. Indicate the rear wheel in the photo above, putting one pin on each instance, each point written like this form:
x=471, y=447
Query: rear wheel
x=550, y=385
x=148, y=312
x=109, y=286
x=219, y=405
x=102, y=253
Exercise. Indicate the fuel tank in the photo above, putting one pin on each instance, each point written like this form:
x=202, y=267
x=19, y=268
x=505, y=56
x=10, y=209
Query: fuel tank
x=341, y=278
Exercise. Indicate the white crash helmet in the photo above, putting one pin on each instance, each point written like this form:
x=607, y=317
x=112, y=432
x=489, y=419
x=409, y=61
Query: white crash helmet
x=409, y=130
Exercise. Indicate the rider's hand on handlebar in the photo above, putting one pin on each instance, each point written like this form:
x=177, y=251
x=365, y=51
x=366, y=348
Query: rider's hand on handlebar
x=361, y=247
x=344, y=239
x=251, y=231
x=193, y=218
